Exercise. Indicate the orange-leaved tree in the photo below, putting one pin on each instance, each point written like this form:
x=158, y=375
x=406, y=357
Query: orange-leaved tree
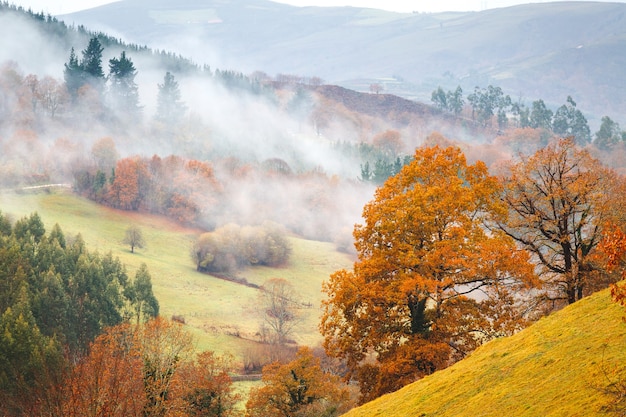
x=298, y=388
x=109, y=380
x=431, y=281
x=559, y=198
x=203, y=387
x=613, y=246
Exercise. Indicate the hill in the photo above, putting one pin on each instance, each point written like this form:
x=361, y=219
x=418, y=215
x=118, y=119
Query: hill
x=556, y=367
x=532, y=51
x=222, y=314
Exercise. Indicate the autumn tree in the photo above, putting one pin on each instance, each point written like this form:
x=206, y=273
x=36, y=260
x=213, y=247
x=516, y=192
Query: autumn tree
x=108, y=382
x=134, y=238
x=164, y=346
x=613, y=246
x=203, y=387
x=129, y=185
x=558, y=201
x=431, y=282
x=299, y=388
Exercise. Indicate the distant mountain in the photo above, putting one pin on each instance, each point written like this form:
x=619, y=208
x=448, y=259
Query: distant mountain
x=547, y=51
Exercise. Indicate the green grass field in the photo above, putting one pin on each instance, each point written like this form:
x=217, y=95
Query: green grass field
x=554, y=368
x=214, y=309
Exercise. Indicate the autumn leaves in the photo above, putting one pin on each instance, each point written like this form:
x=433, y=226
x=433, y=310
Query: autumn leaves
x=450, y=256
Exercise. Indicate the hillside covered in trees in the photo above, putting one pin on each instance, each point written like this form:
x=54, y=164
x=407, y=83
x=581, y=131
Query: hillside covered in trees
x=466, y=220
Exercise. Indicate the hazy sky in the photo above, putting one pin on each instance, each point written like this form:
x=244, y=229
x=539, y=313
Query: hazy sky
x=67, y=6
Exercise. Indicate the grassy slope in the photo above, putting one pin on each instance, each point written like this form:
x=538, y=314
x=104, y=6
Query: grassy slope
x=213, y=308
x=553, y=368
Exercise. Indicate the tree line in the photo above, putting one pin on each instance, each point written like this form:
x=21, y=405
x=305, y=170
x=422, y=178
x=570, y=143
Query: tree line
x=491, y=102
x=56, y=297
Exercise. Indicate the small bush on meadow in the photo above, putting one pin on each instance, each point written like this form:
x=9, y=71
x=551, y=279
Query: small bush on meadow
x=231, y=247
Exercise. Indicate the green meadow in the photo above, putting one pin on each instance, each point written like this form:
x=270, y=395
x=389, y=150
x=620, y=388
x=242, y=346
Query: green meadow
x=223, y=316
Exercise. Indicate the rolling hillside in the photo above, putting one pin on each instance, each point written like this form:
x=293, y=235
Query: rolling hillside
x=223, y=315
x=546, y=51
x=557, y=367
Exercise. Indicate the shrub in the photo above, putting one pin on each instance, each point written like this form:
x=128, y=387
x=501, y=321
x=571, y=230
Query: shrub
x=232, y=246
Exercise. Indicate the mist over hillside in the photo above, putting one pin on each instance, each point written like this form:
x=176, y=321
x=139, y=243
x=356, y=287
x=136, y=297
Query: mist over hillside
x=548, y=50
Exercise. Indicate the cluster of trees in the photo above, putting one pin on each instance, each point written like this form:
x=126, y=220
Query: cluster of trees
x=173, y=186
x=566, y=121
x=231, y=247
x=85, y=82
x=56, y=297
x=450, y=256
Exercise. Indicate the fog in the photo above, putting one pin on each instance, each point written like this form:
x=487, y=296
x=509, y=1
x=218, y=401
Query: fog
x=317, y=193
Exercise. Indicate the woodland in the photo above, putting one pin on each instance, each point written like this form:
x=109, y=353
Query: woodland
x=466, y=220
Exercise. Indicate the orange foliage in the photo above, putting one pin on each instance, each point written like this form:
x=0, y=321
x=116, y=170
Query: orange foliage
x=125, y=189
x=429, y=277
x=204, y=388
x=613, y=245
x=109, y=381
x=298, y=388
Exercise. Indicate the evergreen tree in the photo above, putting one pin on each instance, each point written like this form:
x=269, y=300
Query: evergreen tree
x=569, y=121
x=141, y=296
x=170, y=109
x=91, y=64
x=124, y=90
x=540, y=116
x=609, y=134
x=73, y=75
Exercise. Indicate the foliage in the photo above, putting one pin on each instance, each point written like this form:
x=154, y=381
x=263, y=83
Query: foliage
x=109, y=380
x=124, y=91
x=172, y=186
x=569, y=121
x=540, y=116
x=410, y=302
x=488, y=102
x=170, y=109
x=134, y=238
x=299, y=388
x=56, y=297
x=164, y=345
x=231, y=247
x=203, y=387
x=609, y=134
x=146, y=371
x=558, y=201
x=140, y=295
x=451, y=101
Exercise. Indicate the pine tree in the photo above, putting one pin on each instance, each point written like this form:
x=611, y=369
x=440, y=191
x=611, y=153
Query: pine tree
x=170, y=109
x=124, y=90
x=91, y=64
x=73, y=75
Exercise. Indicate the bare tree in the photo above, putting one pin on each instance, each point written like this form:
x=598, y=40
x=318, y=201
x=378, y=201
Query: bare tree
x=376, y=88
x=279, y=308
x=134, y=238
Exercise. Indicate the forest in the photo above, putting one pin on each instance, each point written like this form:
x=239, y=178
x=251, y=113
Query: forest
x=465, y=223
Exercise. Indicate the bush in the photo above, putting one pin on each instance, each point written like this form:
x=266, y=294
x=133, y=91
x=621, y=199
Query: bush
x=232, y=246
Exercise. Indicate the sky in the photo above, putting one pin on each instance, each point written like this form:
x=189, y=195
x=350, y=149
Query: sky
x=56, y=7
